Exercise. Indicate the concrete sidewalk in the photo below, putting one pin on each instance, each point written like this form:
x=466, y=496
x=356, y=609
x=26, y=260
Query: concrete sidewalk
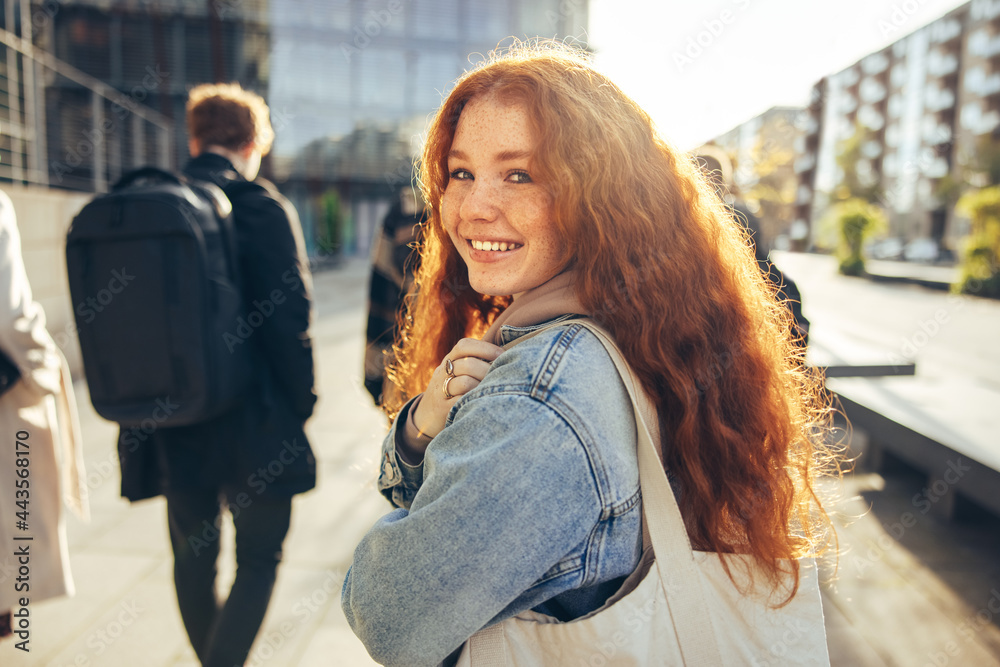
x=124, y=613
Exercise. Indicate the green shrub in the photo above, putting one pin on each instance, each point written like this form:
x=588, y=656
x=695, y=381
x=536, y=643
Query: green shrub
x=330, y=231
x=980, y=267
x=855, y=220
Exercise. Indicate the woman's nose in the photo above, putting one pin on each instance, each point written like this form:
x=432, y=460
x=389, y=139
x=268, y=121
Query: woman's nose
x=481, y=202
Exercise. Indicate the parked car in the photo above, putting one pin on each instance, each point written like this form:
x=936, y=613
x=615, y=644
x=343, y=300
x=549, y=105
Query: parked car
x=890, y=248
x=921, y=250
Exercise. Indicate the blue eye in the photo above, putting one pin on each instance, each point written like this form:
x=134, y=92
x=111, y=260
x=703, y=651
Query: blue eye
x=460, y=175
x=520, y=177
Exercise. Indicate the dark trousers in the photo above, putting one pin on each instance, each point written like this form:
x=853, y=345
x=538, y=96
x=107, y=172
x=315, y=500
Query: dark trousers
x=222, y=634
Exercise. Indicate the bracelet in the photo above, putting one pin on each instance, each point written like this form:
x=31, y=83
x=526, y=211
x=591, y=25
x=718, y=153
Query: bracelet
x=420, y=433
x=411, y=420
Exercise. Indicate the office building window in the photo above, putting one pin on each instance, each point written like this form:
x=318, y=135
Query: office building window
x=86, y=40
x=382, y=81
x=436, y=72
x=486, y=20
x=437, y=19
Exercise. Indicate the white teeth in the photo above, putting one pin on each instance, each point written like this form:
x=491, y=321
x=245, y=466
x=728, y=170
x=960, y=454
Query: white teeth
x=493, y=246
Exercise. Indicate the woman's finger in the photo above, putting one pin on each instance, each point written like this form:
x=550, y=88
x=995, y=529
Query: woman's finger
x=471, y=366
x=472, y=347
x=453, y=387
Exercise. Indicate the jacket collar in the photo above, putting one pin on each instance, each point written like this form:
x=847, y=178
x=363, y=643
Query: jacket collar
x=541, y=304
x=214, y=168
x=509, y=334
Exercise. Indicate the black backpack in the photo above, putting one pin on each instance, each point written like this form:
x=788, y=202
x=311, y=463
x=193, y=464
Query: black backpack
x=153, y=274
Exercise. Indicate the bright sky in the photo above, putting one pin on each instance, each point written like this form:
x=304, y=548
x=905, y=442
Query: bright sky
x=701, y=68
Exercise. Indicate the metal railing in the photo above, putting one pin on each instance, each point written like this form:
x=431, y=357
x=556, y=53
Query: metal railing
x=61, y=127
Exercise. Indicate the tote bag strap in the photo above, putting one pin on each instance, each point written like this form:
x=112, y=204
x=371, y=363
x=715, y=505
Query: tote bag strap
x=675, y=562
x=678, y=572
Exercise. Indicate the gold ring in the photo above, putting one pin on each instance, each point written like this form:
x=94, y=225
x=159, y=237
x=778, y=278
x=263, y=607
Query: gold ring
x=448, y=394
x=449, y=367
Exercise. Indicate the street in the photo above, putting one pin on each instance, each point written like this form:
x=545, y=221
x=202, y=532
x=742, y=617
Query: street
x=945, y=333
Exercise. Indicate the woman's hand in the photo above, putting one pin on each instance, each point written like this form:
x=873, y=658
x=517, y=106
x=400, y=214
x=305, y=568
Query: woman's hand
x=460, y=372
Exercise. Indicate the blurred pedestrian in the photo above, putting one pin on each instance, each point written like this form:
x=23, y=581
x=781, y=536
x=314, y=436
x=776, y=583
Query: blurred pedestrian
x=40, y=431
x=255, y=457
x=718, y=168
x=393, y=266
x=512, y=458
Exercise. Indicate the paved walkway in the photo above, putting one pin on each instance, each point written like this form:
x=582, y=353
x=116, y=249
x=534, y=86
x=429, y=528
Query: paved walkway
x=124, y=613
x=892, y=605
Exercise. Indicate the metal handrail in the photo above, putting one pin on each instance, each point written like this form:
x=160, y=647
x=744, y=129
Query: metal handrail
x=93, y=84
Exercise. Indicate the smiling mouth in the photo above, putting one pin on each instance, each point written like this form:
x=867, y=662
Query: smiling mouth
x=495, y=246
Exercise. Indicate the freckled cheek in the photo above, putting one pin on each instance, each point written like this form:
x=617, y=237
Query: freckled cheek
x=448, y=210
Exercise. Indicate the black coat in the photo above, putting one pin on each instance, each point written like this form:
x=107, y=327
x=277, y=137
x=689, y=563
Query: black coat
x=394, y=264
x=260, y=446
x=787, y=291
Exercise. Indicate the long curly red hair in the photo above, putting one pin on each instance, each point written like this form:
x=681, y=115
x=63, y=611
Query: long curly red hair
x=665, y=269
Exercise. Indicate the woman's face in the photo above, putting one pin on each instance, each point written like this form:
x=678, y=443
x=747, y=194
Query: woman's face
x=498, y=217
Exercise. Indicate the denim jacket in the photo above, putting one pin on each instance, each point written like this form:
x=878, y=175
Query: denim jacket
x=528, y=499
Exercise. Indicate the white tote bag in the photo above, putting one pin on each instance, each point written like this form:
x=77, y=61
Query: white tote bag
x=678, y=608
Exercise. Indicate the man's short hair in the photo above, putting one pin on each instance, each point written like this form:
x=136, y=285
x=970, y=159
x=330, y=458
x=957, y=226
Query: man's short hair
x=223, y=114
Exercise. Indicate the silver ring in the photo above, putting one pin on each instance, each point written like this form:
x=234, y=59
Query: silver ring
x=449, y=367
x=448, y=394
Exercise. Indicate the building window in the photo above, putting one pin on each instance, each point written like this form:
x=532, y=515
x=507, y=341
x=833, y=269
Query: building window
x=437, y=20
x=382, y=81
x=87, y=42
x=436, y=72
x=486, y=19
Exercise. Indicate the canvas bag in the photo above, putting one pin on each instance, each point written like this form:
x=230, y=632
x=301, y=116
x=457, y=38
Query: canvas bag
x=686, y=612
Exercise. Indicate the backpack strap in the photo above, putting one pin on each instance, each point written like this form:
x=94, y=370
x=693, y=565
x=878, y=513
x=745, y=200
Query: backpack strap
x=151, y=173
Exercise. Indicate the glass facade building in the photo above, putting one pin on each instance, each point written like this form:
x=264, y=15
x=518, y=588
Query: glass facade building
x=353, y=83
x=102, y=86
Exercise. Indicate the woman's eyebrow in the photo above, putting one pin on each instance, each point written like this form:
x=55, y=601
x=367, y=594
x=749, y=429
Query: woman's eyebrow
x=511, y=155
x=502, y=156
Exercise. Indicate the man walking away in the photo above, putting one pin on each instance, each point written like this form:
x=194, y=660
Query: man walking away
x=255, y=457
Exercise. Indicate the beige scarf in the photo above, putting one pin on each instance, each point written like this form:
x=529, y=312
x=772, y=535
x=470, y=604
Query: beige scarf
x=540, y=304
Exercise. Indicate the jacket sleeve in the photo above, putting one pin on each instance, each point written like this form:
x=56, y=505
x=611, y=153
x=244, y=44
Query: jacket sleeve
x=23, y=337
x=507, y=492
x=277, y=283
x=399, y=480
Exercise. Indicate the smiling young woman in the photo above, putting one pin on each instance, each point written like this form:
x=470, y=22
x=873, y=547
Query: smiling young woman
x=513, y=469
x=498, y=218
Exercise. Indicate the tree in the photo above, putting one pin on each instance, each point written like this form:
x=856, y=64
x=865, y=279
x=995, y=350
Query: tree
x=983, y=169
x=855, y=221
x=981, y=258
x=860, y=180
x=330, y=231
x=770, y=184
